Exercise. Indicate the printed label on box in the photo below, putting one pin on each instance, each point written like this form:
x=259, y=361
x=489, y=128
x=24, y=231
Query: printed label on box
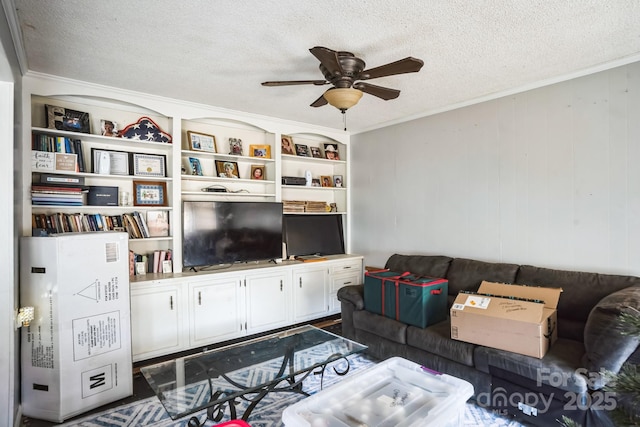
x=477, y=302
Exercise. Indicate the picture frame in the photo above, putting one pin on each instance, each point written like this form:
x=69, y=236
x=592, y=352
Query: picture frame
x=196, y=167
x=258, y=172
x=158, y=223
x=109, y=128
x=315, y=182
x=235, y=146
x=315, y=152
x=149, y=193
x=61, y=118
x=202, y=142
x=154, y=165
x=227, y=169
x=331, y=151
x=337, y=181
x=287, y=145
x=263, y=151
x=302, y=150
x=110, y=162
x=326, y=181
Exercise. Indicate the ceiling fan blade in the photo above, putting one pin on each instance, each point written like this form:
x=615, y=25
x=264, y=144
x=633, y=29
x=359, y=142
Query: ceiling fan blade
x=329, y=59
x=296, y=82
x=406, y=65
x=379, y=91
x=319, y=102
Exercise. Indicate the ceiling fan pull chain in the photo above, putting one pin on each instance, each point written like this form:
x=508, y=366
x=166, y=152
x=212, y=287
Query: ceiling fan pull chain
x=344, y=119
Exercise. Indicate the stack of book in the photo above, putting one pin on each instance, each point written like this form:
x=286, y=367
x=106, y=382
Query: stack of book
x=60, y=144
x=158, y=261
x=316, y=207
x=136, y=225
x=293, y=206
x=48, y=195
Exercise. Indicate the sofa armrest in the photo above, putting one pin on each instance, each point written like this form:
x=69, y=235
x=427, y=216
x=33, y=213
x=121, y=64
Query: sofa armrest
x=353, y=294
x=606, y=344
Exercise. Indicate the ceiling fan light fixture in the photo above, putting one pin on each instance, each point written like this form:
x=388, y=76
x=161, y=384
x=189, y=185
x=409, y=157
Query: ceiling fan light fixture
x=343, y=98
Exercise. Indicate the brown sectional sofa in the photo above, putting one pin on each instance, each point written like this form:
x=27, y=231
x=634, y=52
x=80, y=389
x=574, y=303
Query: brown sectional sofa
x=566, y=381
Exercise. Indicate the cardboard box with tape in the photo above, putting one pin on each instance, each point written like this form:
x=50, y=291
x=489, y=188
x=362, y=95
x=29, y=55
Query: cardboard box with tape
x=517, y=318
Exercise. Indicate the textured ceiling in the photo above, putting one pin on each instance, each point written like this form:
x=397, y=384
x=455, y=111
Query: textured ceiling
x=218, y=52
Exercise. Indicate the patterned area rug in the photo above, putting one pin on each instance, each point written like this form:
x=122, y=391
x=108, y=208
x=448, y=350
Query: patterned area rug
x=150, y=412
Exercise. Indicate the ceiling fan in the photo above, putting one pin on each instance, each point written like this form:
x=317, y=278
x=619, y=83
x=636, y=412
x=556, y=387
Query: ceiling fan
x=345, y=71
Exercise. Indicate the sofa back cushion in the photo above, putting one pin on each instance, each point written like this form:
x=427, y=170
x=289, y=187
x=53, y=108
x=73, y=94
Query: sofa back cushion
x=581, y=292
x=425, y=265
x=467, y=274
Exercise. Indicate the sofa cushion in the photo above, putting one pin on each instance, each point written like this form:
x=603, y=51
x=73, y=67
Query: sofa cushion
x=425, y=265
x=379, y=325
x=561, y=367
x=581, y=292
x=606, y=345
x=467, y=274
x=436, y=339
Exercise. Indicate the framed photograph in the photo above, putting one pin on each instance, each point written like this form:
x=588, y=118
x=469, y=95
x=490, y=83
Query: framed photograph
x=149, y=165
x=326, y=181
x=302, y=150
x=235, y=146
x=331, y=152
x=257, y=172
x=196, y=167
x=226, y=169
x=287, y=145
x=109, y=128
x=202, y=142
x=109, y=162
x=149, y=193
x=337, y=181
x=61, y=118
x=260, y=151
x=315, y=182
x=315, y=152
x=158, y=223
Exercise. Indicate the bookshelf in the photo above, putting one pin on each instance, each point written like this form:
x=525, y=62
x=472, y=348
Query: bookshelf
x=261, y=149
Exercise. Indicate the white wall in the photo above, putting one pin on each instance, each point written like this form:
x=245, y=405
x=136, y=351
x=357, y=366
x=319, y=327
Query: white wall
x=549, y=177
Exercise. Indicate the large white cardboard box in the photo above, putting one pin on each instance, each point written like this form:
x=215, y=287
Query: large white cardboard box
x=517, y=318
x=76, y=353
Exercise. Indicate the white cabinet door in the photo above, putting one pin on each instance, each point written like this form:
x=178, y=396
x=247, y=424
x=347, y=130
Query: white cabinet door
x=267, y=299
x=309, y=293
x=215, y=310
x=156, y=321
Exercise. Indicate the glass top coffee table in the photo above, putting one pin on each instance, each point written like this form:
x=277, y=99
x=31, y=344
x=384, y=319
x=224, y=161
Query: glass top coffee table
x=219, y=379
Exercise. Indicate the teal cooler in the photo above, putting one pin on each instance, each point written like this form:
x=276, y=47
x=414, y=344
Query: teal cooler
x=380, y=291
x=421, y=301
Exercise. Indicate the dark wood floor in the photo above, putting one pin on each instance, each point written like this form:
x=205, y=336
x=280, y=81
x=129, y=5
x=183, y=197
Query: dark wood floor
x=141, y=389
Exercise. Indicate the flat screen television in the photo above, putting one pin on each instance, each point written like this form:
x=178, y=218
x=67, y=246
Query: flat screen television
x=313, y=234
x=217, y=233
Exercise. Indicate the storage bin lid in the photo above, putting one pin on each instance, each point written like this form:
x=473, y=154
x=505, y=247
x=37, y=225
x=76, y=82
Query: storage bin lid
x=393, y=393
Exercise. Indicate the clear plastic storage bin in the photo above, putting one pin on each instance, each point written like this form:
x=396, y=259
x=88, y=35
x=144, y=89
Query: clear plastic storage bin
x=393, y=393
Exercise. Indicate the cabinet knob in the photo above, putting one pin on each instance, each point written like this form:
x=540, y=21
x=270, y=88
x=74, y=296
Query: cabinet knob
x=171, y=302
x=280, y=285
x=199, y=298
